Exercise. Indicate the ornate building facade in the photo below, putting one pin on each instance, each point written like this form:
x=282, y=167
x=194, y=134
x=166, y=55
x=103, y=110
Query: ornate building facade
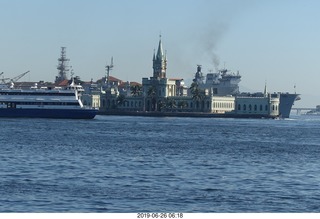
x=161, y=94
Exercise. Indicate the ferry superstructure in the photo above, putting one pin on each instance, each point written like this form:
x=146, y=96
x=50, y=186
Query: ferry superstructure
x=43, y=103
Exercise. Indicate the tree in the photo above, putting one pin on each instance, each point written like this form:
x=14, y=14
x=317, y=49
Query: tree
x=170, y=104
x=120, y=99
x=152, y=93
x=197, y=94
x=182, y=104
x=136, y=90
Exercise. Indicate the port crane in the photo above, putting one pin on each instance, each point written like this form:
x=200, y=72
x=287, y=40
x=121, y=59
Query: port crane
x=15, y=79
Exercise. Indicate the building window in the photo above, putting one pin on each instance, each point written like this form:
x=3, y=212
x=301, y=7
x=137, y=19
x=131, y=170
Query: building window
x=250, y=107
x=255, y=107
x=239, y=107
x=266, y=108
x=260, y=107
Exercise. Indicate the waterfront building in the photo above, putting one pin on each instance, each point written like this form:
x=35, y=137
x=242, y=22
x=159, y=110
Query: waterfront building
x=265, y=105
x=158, y=89
x=161, y=94
x=91, y=95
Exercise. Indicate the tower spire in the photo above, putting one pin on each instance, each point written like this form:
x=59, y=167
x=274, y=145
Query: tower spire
x=159, y=62
x=265, y=90
x=160, y=51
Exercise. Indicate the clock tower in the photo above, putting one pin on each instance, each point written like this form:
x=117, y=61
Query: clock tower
x=159, y=62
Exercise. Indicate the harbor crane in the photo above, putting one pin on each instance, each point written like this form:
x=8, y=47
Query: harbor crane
x=15, y=79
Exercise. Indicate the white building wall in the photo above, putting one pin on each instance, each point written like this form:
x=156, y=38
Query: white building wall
x=91, y=100
x=257, y=105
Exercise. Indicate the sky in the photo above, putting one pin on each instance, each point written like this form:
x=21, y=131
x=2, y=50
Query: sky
x=274, y=42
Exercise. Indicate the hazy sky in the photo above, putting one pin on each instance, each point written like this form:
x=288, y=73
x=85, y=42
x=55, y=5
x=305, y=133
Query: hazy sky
x=274, y=41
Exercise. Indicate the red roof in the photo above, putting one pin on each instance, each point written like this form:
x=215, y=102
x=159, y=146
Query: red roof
x=63, y=83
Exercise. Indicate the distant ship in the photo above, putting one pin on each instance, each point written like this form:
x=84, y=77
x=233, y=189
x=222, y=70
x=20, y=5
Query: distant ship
x=43, y=103
x=224, y=83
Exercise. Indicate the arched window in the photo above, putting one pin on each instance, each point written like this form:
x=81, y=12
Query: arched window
x=260, y=107
x=244, y=107
x=250, y=107
x=266, y=108
x=239, y=107
x=255, y=107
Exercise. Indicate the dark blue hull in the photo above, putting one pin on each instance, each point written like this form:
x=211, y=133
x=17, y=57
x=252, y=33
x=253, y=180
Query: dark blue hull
x=286, y=103
x=49, y=113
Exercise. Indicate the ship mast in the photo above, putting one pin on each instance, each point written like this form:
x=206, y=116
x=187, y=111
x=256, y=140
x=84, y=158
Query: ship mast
x=108, y=69
x=62, y=66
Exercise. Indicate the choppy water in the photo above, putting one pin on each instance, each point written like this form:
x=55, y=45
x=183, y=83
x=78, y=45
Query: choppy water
x=141, y=164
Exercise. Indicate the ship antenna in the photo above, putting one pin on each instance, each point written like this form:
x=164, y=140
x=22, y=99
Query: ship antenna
x=108, y=69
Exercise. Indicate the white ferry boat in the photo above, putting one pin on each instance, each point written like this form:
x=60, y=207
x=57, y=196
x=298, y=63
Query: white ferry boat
x=43, y=103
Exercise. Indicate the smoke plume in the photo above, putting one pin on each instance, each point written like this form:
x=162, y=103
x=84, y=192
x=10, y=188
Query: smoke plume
x=211, y=38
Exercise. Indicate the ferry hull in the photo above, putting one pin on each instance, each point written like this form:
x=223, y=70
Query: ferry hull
x=49, y=113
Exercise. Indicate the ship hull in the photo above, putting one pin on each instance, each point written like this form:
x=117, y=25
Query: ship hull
x=49, y=113
x=286, y=103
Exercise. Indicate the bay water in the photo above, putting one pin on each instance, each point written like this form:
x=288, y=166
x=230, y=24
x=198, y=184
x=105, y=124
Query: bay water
x=152, y=164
